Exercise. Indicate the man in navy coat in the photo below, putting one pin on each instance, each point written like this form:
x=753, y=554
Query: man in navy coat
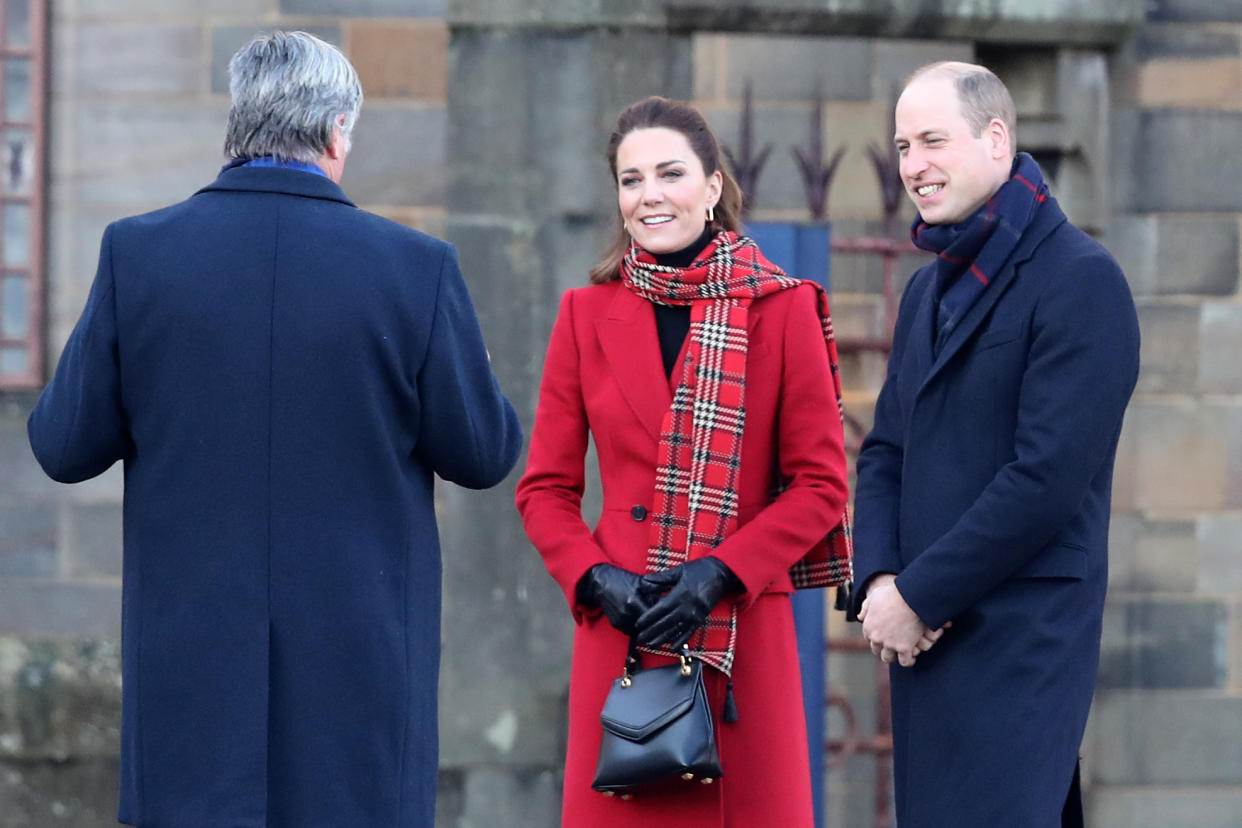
x=983, y=489
x=281, y=374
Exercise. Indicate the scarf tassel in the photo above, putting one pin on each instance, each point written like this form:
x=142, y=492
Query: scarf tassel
x=730, y=707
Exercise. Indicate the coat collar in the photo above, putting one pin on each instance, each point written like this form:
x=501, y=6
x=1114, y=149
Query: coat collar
x=277, y=180
x=627, y=334
x=1049, y=218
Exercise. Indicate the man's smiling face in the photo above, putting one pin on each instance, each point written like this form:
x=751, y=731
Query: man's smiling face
x=947, y=170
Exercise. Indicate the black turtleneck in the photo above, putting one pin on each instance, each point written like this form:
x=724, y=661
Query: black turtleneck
x=673, y=321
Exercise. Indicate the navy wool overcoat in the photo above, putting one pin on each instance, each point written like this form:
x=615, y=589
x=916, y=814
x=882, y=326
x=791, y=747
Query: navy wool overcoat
x=985, y=484
x=281, y=374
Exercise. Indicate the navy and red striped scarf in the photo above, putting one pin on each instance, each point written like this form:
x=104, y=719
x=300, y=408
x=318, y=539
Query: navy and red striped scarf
x=970, y=253
x=699, y=458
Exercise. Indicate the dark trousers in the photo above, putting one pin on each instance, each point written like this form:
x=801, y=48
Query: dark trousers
x=1071, y=812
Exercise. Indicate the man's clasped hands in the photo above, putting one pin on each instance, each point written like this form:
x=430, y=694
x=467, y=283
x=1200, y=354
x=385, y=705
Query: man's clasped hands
x=894, y=631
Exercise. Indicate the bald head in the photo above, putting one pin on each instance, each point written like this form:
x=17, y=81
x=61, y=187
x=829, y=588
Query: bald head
x=980, y=94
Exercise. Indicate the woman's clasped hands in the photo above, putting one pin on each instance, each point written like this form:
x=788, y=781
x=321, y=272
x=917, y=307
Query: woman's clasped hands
x=662, y=608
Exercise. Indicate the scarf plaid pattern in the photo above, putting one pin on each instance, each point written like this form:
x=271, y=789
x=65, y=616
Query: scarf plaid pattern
x=695, y=504
x=980, y=245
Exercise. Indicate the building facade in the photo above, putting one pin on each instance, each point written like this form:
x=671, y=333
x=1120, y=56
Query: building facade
x=484, y=122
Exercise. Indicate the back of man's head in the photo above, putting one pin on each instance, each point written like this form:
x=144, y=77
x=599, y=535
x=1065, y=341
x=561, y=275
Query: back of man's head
x=982, y=95
x=289, y=89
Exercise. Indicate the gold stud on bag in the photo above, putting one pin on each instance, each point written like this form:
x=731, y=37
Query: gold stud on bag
x=657, y=726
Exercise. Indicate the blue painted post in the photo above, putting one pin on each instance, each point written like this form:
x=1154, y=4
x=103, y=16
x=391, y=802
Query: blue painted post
x=802, y=250
x=808, y=606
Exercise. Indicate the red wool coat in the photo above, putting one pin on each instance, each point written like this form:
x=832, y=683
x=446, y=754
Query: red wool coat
x=604, y=375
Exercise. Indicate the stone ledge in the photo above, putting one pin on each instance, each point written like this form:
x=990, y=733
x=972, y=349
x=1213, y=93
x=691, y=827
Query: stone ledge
x=1059, y=22
x=1155, y=41
x=366, y=8
x=1196, y=11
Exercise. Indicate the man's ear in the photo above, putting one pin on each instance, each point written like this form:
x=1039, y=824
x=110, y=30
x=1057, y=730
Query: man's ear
x=997, y=134
x=337, y=146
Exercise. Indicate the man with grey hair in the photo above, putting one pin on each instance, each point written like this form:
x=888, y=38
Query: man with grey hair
x=282, y=375
x=983, y=489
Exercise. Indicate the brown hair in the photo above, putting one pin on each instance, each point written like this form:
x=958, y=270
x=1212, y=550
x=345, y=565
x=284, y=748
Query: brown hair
x=684, y=118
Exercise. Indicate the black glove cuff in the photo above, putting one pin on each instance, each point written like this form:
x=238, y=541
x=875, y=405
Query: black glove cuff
x=732, y=583
x=585, y=591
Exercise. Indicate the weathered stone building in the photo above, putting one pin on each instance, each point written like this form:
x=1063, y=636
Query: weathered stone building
x=484, y=122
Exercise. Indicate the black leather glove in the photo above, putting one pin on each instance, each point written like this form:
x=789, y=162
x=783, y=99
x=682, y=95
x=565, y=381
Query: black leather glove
x=693, y=589
x=617, y=592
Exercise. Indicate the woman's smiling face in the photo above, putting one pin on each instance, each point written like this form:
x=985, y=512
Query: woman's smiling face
x=662, y=189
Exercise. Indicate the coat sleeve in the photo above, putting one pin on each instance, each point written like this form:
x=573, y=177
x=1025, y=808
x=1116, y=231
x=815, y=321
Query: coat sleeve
x=877, y=493
x=549, y=495
x=78, y=428
x=469, y=433
x=1081, y=368
x=811, y=451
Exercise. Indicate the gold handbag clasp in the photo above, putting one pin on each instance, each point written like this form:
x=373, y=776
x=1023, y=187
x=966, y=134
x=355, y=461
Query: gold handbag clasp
x=626, y=681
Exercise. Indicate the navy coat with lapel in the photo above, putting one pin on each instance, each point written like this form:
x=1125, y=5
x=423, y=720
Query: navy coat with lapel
x=281, y=373
x=985, y=484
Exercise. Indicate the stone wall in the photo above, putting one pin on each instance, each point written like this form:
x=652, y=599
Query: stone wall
x=1163, y=743
x=138, y=102
x=484, y=122
x=1134, y=136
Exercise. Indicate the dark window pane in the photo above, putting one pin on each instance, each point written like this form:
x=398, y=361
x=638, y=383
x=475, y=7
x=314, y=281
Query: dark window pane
x=16, y=235
x=18, y=157
x=14, y=307
x=17, y=89
x=13, y=361
x=17, y=23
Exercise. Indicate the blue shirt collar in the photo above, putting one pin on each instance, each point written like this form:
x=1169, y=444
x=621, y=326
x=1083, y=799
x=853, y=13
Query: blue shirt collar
x=270, y=161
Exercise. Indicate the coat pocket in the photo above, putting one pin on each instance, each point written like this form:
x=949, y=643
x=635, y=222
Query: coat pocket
x=998, y=336
x=1061, y=560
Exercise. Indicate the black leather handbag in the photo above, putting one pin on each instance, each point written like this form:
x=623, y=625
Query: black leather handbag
x=657, y=726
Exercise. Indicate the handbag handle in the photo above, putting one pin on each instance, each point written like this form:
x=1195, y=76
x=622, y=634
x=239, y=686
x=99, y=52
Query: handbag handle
x=634, y=664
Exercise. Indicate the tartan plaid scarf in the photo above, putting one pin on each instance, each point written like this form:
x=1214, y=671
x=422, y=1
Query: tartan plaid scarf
x=980, y=245
x=695, y=505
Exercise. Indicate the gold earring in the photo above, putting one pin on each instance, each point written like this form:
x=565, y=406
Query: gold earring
x=711, y=212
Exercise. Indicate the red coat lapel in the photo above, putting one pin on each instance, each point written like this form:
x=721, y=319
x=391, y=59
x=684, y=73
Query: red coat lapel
x=627, y=336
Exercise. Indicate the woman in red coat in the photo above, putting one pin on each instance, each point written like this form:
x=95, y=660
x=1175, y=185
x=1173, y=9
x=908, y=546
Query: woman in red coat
x=707, y=379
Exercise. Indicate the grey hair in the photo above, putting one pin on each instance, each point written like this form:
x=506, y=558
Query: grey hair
x=289, y=89
x=982, y=95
